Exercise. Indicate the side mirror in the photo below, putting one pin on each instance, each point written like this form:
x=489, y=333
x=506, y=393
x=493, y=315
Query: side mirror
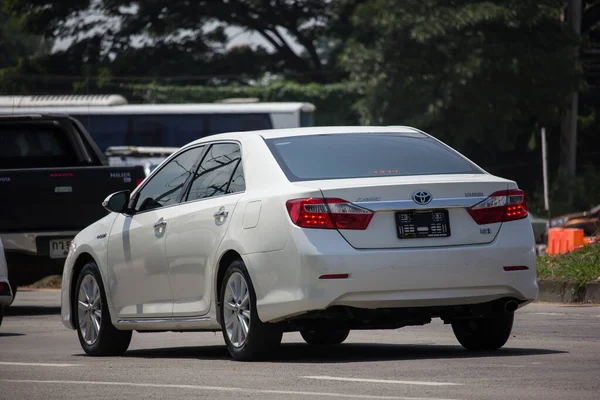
x=117, y=202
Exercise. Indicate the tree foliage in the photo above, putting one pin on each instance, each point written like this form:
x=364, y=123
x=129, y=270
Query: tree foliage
x=483, y=76
x=334, y=102
x=480, y=75
x=165, y=37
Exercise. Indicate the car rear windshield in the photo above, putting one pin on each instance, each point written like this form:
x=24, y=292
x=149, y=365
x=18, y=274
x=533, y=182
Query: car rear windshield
x=363, y=155
x=34, y=146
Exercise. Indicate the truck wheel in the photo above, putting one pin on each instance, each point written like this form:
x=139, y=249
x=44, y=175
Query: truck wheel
x=97, y=334
x=325, y=337
x=246, y=336
x=484, y=333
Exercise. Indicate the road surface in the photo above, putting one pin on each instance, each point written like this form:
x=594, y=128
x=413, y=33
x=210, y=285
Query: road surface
x=554, y=353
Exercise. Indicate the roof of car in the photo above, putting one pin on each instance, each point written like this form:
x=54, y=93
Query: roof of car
x=314, y=130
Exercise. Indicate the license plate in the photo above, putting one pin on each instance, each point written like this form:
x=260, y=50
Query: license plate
x=417, y=224
x=59, y=248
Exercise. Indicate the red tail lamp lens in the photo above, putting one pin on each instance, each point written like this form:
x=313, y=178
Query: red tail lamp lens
x=328, y=214
x=502, y=206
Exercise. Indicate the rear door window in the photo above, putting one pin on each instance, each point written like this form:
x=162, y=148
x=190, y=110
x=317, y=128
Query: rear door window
x=365, y=155
x=219, y=173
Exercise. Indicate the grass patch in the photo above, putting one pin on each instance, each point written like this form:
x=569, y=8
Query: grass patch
x=580, y=266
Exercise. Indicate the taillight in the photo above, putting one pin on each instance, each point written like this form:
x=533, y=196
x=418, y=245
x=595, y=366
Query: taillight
x=328, y=214
x=138, y=181
x=505, y=205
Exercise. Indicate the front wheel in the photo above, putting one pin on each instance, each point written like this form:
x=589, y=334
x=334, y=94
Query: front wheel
x=246, y=336
x=484, y=333
x=325, y=337
x=13, y=289
x=97, y=334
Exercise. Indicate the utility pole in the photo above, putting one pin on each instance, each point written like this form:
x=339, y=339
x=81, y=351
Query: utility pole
x=574, y=10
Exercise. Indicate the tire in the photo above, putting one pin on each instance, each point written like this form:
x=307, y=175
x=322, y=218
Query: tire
x=1, y=314
x=246, y=336
x=13, y=288
x=325, y=337
x=478, y=334
x=97, y=334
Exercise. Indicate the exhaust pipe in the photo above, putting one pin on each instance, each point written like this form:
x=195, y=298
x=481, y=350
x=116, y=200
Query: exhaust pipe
x=511, y=306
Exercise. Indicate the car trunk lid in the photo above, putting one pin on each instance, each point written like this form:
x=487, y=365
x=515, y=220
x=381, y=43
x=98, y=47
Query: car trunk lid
x=400, y=222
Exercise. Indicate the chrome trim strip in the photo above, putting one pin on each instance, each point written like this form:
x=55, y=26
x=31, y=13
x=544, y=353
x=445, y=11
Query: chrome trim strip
x=163, y=320
x=392, y=205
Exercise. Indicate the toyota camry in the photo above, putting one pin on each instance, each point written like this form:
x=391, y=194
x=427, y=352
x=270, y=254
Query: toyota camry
x=316, y=230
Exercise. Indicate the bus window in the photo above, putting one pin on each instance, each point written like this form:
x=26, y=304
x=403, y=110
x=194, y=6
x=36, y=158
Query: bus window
x=165, y=130
x=146, y=132
x=306, y=118
x=220, y=123
x=169, y=130
x=187, y=129
x=106, y=130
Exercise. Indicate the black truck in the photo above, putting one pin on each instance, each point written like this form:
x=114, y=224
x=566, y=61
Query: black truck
x=53, y=179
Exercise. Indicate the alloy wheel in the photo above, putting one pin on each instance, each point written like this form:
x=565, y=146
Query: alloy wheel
x=89, y=309
x=236, y=309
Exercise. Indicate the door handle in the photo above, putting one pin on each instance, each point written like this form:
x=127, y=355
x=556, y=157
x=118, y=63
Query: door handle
x=221, y=214
x=160, y=224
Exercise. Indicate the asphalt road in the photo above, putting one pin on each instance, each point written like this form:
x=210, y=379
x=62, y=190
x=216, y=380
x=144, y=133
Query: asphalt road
x=554, y=353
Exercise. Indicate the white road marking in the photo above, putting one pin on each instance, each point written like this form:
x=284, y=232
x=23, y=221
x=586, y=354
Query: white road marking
x=552, y=313
x=566, y=314
x=335, y=378
x=25, y=364
x=225, y=389
x=504, y=365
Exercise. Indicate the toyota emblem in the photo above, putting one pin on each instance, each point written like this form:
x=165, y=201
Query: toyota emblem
x=421, y=197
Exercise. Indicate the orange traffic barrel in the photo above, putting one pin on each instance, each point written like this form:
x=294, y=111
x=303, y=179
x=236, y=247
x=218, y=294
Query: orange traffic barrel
x=564, y=240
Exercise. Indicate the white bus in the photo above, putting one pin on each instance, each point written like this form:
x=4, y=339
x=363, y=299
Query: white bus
x=113, y=122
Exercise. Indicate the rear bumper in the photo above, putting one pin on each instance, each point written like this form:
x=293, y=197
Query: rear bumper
x=27, y=255
x=29, y=242
x=287, y=282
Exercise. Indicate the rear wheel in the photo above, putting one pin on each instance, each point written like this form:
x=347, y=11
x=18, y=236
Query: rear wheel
x=1, y=314
x=325, y=337
x=97, y=334
x=246, y=336
x=484, y=333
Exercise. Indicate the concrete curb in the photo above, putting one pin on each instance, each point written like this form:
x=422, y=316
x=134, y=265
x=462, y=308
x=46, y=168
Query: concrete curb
x=568, y=292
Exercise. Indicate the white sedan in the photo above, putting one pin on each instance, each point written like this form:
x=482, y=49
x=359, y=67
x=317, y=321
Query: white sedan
x=316, y=230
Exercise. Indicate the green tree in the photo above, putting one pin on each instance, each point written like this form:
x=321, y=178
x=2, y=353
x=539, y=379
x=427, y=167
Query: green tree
x=17, y=50
x=16, y=43
x=165, y=37
x=480, y=75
